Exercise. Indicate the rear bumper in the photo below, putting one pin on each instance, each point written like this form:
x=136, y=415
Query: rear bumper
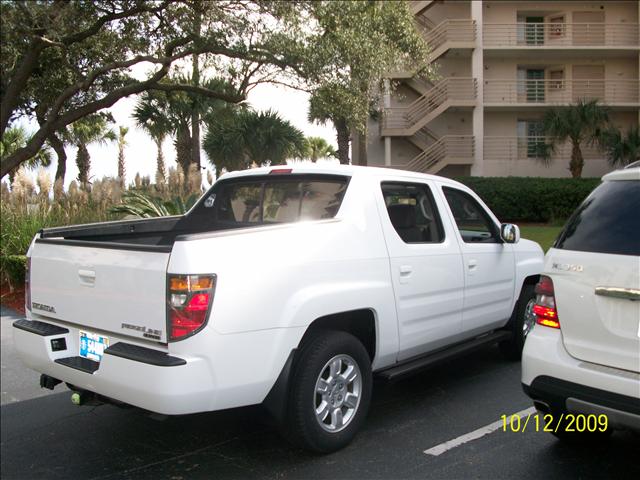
x=230, y=371
x=559, y=382
x=170, y=390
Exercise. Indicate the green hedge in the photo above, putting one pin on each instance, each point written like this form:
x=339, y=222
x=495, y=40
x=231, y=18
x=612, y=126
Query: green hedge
x=12, y=269
x=531, y=199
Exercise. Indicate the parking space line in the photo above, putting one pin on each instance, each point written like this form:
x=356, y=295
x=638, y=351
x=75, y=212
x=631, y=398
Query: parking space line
x=467, y=437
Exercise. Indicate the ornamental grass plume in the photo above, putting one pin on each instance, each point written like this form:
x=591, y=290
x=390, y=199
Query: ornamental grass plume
x=194, y=179
x=22, y=186
x=44, y=183
x=58, y=190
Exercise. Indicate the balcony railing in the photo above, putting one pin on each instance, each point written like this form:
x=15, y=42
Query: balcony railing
x=450, y=33
x=560, y=34
x=612, y=92
x=456, y=90
x=533, y=148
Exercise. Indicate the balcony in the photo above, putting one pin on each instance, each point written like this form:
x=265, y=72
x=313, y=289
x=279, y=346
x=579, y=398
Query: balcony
x=450, y=92
x=531, y=148
x=502, y=92
x=447, y=150
x=554, y=35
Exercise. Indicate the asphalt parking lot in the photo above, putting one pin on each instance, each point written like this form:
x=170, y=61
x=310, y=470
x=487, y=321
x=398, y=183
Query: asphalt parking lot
x=48, y=437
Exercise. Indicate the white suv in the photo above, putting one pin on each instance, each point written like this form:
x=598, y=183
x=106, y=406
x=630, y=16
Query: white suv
x=582, y=358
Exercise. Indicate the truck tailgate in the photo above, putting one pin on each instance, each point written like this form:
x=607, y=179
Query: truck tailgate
x=103, y=289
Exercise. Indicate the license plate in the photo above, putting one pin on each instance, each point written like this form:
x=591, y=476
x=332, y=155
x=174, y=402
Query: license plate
x=92, y=345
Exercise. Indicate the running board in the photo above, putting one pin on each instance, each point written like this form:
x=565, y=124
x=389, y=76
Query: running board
x=433, y=359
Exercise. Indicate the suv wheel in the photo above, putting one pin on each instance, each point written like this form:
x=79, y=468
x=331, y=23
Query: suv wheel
x=331, y=392
x=521, y=324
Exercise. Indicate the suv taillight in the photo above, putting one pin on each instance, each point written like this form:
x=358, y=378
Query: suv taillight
x=189, y=299
x=27, y=284
x=545, y=307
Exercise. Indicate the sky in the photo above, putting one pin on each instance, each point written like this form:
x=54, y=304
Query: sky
x=140, y=153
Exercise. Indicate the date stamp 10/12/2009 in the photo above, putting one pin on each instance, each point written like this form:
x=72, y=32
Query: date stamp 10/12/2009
x=566, y=422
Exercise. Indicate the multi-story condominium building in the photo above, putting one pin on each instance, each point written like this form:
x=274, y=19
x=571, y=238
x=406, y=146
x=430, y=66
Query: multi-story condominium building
x=500, y=65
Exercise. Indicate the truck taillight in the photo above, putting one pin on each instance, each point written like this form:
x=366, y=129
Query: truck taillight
x=189, y=299
x=27, y=284
x=545, y=307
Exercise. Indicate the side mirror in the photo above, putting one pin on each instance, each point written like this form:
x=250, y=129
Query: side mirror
x=509, y=233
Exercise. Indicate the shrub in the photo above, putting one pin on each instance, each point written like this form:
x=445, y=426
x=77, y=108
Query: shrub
x=12, y=270
x=531, y=199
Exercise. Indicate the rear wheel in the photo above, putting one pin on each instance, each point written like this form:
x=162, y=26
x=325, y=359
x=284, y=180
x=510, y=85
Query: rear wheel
x=521, y=324
x=331, y=392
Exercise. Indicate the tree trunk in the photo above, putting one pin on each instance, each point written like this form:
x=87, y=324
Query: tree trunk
x=343, y=140
x=195, y=80
x=183, y=150
x=83, y=160
x=577, y=161
x=160, y=160
x=362, y=147
x=58, y=147
x=121, y=166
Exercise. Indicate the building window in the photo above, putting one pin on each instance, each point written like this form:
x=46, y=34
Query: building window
x=557, y=26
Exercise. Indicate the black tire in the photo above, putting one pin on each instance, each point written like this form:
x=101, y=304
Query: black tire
x=303, y=428
x=512, y=349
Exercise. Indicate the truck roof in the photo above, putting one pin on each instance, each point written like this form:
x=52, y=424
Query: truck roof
x=349, y=170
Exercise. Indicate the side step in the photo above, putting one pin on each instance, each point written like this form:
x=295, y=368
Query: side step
x=433, y=359
x=79, y=363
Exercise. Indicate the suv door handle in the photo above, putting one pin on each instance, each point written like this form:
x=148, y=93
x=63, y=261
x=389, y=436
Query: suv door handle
x=405, y=273
x=472, y=265
x=619, y=292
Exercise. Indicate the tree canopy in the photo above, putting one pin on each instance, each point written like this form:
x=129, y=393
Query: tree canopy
x=64, y=60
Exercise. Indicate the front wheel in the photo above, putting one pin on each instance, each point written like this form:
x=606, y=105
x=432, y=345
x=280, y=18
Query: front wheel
x=331, y=392
x=521, y=324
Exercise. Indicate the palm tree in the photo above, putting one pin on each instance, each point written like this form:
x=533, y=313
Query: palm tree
x=317, y=148
x=17, y=137
x=579, y=123
x=162, y=114
x=88, y=130
x=238, y=140
x=122, y=132
x=621, y=150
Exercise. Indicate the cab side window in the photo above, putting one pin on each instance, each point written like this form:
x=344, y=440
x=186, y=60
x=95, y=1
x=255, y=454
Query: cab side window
x=412, y=212
x=473, y=222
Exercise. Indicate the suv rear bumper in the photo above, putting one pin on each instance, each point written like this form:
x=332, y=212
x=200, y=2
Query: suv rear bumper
x=559, y=382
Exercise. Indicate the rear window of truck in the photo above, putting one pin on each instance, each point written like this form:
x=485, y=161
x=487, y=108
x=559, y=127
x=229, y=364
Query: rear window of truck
x=273, y=199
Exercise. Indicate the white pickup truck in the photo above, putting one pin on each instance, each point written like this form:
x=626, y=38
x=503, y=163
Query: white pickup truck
x=283, y=286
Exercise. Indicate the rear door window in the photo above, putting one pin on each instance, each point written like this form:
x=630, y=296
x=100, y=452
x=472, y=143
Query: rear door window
x=608, y=221
x=412, y=212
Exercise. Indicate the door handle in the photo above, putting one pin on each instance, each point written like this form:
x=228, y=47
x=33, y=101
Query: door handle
x=472, y=265
x=87, y=277
x=405, y=273
x=619, y=292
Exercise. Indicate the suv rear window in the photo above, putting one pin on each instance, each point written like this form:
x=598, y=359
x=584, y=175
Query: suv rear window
x=270, y=200
x=608, y=221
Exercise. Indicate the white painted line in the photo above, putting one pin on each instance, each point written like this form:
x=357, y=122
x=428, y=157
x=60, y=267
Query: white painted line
x=481, y=432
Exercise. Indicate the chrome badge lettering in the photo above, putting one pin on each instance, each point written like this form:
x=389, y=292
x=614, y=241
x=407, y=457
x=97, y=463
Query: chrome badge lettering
x=146, y=332
x=567, y=267
x=43, y=307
